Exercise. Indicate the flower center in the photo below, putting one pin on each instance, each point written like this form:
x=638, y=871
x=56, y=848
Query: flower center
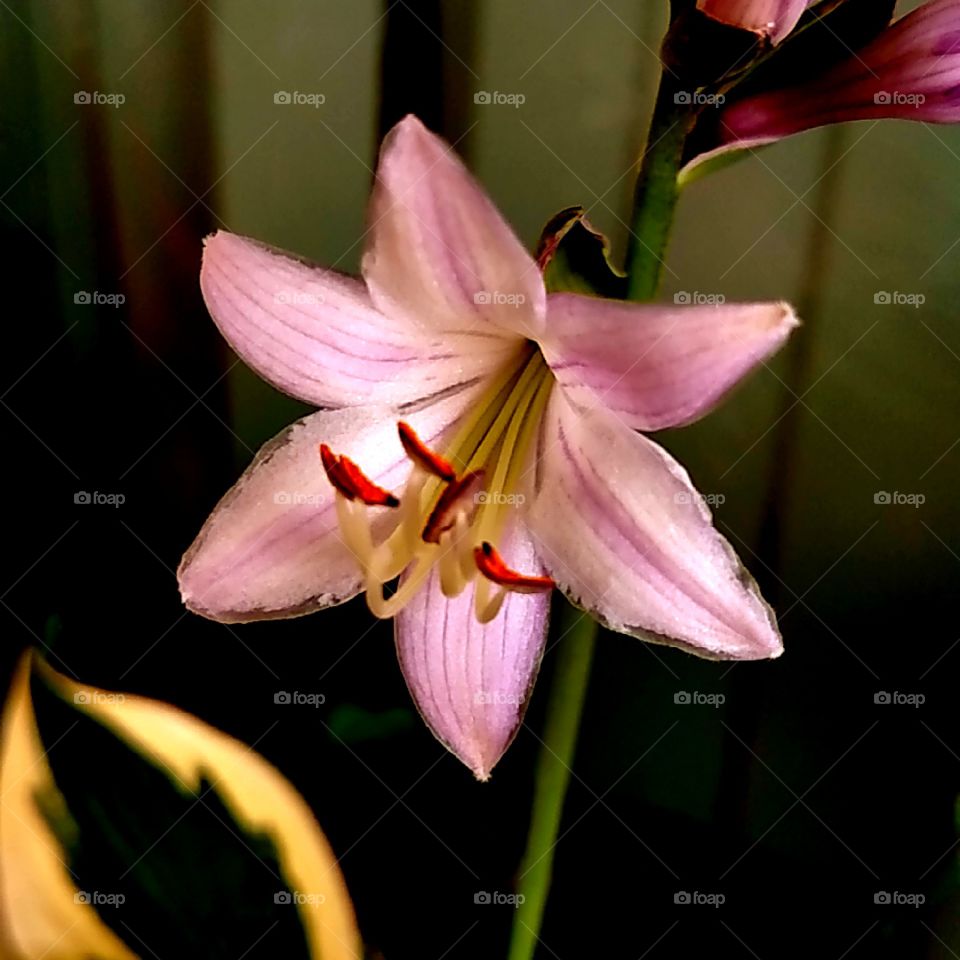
x=454, y=505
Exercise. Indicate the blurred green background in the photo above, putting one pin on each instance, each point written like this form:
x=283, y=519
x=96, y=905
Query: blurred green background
x=801, y=798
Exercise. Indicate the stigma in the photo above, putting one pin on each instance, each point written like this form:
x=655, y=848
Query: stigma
x=444, y=521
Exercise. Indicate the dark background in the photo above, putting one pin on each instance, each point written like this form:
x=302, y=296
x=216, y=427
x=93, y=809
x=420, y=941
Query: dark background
x=800, y=798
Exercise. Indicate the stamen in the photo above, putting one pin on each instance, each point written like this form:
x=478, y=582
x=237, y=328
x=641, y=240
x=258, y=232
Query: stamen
x=492, y=566
x=423, y=456
x=348, y=479
x=364, y=488
x=331, y=466
x=458, y=497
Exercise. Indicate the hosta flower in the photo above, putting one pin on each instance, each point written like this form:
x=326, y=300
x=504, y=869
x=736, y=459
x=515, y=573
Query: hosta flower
x=773, y=19
x=478, y=441
x=911, y=71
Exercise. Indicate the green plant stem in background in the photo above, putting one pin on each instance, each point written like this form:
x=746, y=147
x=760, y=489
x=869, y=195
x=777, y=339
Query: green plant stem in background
x=656, y=193
x=655, y=200
x=578, y=636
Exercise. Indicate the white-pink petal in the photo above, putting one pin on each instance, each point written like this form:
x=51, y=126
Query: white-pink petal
x=315, y=334
x=439, y=253
x=627, y=537
x=770, y=18
x=471, y=681
x=272, y=546
x=658, y=366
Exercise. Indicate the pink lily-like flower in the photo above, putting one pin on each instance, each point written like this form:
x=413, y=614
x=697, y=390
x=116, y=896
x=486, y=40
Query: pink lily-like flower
x=478, y=442
x=910, y=71
x=771, y=19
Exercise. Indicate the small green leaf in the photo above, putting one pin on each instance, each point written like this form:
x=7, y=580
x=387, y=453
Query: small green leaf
x=353, y=724
x=575, y=257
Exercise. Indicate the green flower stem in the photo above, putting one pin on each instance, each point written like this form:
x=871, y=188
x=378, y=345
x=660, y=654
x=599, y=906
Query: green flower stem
x=656, y=194
x=655, y=200
x=578, y=637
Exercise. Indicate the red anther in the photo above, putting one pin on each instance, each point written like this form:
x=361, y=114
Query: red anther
x=334, y=471
x=460, y=494
x=492, y=566
x=352, y=482
x=364, y=488
x=423, y=456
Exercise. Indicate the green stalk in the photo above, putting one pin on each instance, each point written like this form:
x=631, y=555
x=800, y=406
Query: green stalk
x=655, y=200
x=578, y=637
x=656, y=193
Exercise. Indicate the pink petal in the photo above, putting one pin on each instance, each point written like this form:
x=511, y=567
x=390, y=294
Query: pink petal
x=626, y=536
x=440, y=253
x=315, y=334
x=771, y=18
x=470, y=681
x=271, y=547
x=911, y=71
x=658, y=366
